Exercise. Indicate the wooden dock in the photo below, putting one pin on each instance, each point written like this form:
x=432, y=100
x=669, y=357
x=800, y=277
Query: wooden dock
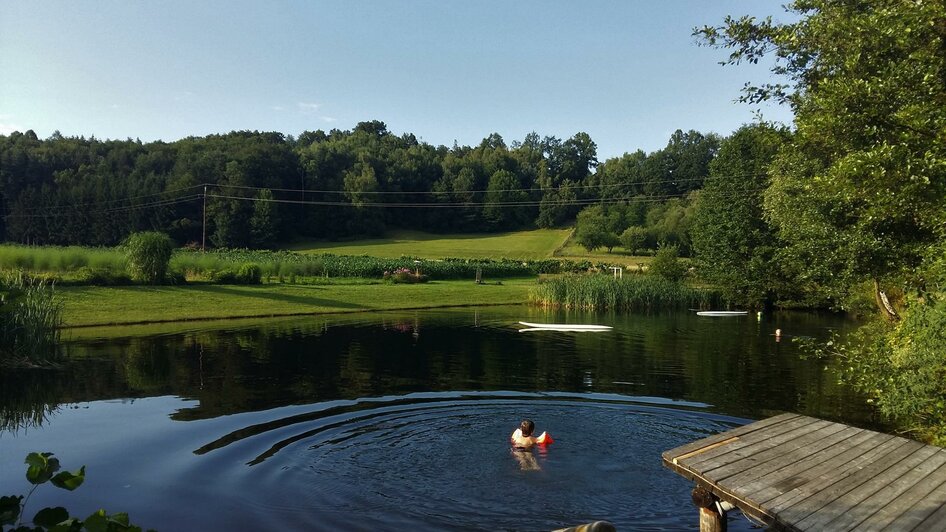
x=796, y=472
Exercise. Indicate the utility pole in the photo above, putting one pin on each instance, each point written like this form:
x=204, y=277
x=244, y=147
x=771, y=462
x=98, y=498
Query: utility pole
x=203, y=237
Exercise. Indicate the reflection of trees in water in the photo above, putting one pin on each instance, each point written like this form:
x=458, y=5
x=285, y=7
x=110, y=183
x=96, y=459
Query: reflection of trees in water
x=732, y=365
x=26, y=398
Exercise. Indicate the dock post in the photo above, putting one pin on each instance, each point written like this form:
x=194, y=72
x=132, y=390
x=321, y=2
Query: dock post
x=712, y=517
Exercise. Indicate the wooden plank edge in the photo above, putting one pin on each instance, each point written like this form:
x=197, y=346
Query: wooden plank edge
x=738, y=431
x=747, y=507
x=704, y=449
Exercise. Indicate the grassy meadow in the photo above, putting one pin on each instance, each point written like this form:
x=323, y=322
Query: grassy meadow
x=520, y=245
x=87, y=306
x=572, y=251
x=316, y=278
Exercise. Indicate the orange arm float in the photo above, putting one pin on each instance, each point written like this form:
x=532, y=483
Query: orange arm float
x=544, y=439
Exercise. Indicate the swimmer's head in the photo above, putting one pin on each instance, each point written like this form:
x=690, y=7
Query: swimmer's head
x=527, y=427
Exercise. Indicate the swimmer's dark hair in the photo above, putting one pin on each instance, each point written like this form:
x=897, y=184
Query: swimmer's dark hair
x=527, y=426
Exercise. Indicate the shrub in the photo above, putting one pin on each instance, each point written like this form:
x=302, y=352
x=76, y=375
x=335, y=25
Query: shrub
x=667, y=264
x=634, y=238
x=405, y=275
x=101, y=277
x=149, y=254
x=224, y=276
x=249, y=273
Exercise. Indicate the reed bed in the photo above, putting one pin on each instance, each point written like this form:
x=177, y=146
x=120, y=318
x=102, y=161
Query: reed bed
x=60, y=259
x=30, y=319
x=632, y=293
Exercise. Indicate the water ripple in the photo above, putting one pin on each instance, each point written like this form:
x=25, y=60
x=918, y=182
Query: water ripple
x=442, y=461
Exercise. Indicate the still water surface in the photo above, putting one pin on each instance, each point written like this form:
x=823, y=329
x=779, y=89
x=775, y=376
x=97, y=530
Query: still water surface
x=401, y=420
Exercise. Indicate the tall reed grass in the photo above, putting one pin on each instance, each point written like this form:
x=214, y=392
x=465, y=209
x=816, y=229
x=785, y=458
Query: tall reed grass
x=30, y=317
x=58, y=259
x=632, y=293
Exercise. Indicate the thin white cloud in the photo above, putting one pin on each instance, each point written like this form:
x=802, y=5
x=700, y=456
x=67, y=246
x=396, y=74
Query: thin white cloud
x=114, y=106
x=308, y=107
x=277, y=108
x=328, y=119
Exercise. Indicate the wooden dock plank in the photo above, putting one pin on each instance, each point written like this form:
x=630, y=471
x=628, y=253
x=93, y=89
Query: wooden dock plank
x=912, y=507
x=801, y=473
x=751, y=443
x=676, y=452
x=818, y=500
x=828, y=475
x=805, y=475
x=781, y=472
x=936, y=520
x=795, y=445
x=864, y=501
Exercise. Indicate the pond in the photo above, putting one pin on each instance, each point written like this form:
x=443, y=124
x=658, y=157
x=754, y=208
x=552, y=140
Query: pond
x=401, y=420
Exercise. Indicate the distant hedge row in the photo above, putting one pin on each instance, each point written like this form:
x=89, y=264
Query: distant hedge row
x=109, y=266
x=287, y=263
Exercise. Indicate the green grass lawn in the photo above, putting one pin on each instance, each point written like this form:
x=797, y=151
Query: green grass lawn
x=86, y=306
x=520, y=245
x=573, y=251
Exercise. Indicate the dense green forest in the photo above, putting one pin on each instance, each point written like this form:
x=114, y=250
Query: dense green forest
x=264, y=188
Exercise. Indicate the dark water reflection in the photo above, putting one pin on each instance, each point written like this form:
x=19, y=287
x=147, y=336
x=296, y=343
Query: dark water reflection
x=734, y=364
x=287, y=418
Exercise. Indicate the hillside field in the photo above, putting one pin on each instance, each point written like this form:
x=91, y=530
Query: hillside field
x=520, y=245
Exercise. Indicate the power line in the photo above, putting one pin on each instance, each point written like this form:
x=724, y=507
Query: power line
x=477, y=191
x=161, y=203
x=49, y=209
x=460, y=204
x=106, y=202
x=71, y=209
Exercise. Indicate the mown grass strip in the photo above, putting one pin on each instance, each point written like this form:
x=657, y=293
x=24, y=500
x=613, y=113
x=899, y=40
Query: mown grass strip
x=520, y=245
x=88, y=306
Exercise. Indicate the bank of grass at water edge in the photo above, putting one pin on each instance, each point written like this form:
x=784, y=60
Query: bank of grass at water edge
x=89, y=306
x=630, y=293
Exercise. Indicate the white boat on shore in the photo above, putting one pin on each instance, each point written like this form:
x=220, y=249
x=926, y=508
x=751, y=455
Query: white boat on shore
x=721, y=313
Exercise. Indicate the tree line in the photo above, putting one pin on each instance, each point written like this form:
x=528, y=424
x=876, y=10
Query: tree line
x=263, y=187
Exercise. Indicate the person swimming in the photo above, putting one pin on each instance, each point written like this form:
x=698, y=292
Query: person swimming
x=522, y=438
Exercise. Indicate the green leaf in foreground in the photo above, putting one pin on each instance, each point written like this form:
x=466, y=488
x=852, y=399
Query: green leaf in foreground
x=69, y=481
x=41, y=467
x=9, y=509
x=102, y=522
x=50, y=517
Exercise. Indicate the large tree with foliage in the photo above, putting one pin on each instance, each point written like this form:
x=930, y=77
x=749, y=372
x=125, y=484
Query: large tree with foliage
x=859, y=194
x=734, y=246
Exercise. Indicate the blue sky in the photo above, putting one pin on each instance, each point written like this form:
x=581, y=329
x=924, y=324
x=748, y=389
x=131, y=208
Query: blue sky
x=626, y=72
